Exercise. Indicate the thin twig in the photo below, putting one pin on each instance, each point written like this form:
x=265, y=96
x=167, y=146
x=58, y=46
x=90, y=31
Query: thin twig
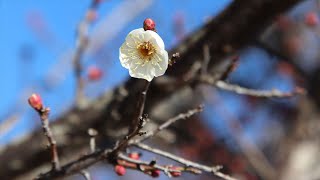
x=92, y=133
x=187, y=163
x=125, y=141
x=254, y=155
x=137, y=122
x=206, y=59
x=169, y=122
x=140, y=107
x=85, y=174
x=230, y=68
x=81, y=45
x=274, y=93
x=74, y=167
x=146, y=167
x=44, y=116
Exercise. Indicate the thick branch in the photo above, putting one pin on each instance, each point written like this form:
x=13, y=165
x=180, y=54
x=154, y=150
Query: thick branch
x=232, y=30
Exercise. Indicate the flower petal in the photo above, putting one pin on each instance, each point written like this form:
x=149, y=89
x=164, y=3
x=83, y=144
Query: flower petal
x=131, y=59
x=134, y=38
x=141, y=72
x=161, y=63
x=154, y=38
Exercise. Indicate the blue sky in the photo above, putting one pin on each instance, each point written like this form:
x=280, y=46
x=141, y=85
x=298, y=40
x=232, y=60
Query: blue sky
x=60, y=18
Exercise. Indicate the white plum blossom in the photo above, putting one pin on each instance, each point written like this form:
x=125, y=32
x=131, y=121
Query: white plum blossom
x=143, y=54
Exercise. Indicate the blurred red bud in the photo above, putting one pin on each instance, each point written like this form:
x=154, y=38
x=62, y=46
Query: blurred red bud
x=97, y=1
x=311, y=19
x=120, y=170
x=91, y=15
x=175, y=174
x=155, y=173
x=94, y=73
x=35, y=101
x=134, y=155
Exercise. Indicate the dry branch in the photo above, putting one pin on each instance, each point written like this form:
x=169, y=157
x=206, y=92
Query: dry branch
x=235, y=28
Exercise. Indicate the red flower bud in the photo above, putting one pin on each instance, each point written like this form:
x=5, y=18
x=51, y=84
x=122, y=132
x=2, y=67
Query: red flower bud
x=94, y=73
x=91, y=15
x=311, y=19
x=149, y=24
x=120, y=170
x=134, y=155
x=97, y=1
x=35, y=101
x=155, y=173
x=175, y=174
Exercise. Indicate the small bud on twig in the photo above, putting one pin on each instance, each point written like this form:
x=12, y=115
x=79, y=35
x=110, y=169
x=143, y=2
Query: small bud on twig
x=120, y=170
x=149, y=24
x=175, y=173
x=35, y=101
x=155, y=173
x=94, y=73
x=311, y=19
x=134, y=155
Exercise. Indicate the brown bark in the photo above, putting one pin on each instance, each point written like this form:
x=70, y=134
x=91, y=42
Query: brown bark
x=235, y=28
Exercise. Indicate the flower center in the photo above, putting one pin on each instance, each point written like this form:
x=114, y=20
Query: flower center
x=146, y=50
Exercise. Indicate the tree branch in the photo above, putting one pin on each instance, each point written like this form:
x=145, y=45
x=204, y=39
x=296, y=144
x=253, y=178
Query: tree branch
x=214, y=170
x=235, y=28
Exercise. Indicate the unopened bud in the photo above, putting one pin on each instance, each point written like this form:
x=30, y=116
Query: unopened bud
x=176, y=173
x=120, y=170
x=311, y=19
x=35, y=101
x=149, y=24
x=155, y=173
x=134, y=155
x=91, y=15
x=94, y=73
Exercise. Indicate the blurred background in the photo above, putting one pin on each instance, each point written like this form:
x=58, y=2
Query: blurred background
x=38, y=41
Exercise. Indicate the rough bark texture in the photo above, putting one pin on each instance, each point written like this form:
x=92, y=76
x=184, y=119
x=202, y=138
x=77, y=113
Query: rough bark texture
x=236, y=27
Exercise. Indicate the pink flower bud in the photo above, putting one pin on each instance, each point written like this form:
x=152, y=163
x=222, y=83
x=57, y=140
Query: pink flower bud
x=175, y=174
x=155, y=173
x=120, y=170
x=91, y=15
x=311, y=19
x=35, y=101
x=149, y=24
x=94, y=73
x=134, y=155
x=97, y=1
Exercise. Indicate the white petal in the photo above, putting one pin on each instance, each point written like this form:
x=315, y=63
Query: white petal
x=134, y=37
x=141, y=72
x=154, y=38
x=160, y=63
x=130, y=58
x=126, y=55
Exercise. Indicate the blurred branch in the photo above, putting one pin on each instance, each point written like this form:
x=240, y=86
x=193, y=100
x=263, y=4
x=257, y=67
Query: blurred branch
x=86, y=175
x=81, y=45
x=114, y=155
x=254, y=155
x=274, y=93
x=169, y=122
x=214, y=170
x=234, y=28
x=75, y=166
